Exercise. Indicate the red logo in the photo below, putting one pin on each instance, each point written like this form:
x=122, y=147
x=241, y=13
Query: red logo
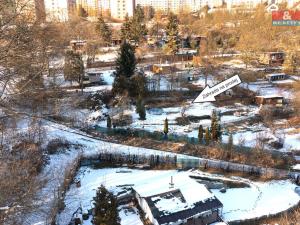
x=286, y=15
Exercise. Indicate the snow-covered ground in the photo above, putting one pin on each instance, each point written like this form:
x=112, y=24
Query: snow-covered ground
x=107, y=76
x=154, y=121
x=146, y=183
x=55, y=169
x=245, y=134
x=239, y=203
x=259, y=200
x=211, y=81
x=58, y=163
x=262, y=198
x=266, y=88
x=129, y=215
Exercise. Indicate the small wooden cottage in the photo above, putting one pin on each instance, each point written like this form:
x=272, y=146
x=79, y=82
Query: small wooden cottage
x=272, y=58
x=273, y=100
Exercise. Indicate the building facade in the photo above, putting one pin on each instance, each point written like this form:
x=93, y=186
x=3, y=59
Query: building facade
x=120, y=8
x=179, y=5
x=57, y=10
x=249, y=4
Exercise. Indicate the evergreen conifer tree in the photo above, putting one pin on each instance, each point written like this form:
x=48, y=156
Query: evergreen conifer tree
x=108, y=122
x=140, y=109
x=106, y=211
x=172, y=45
x=103, y=30
x=214, y=126
x=207, y=136
x=200, y=134
x=74, y=67
x=230, y=142
x=126, y=61
x=166, y=127
x=219, y=132
x=125, y=68
x=126, y=29
x=137, y=26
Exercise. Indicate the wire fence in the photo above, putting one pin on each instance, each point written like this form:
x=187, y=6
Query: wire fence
x=185, y=161
x=160, y=136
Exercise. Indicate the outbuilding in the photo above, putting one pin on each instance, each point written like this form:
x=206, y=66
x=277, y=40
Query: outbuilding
x=181, y=201
x=276, y=76
x=273, y=100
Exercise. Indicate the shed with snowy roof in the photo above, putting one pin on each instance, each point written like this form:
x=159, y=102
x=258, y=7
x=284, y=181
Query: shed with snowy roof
x=272, y=100
x=184, y=202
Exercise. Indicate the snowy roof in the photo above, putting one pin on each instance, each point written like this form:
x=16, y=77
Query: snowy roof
x=269, y=96
x=186, y=199
x=199, y=208
x=191, y=190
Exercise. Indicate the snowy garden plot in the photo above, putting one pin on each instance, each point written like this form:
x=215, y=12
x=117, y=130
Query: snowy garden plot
x=239, y=203
x=262, y=198
x=58, y=163
x=154, y=121
x=266, y=88
x=245, y=134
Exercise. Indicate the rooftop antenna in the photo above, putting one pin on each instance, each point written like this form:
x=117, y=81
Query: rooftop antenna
x=171, y=183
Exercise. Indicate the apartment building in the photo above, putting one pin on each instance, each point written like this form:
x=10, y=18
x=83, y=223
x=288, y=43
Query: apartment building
x=243, y=3
x=31, y=9
x=91, y=7
x=56, y=10
x=120, y=8
x=166, y=5
x=178, y=5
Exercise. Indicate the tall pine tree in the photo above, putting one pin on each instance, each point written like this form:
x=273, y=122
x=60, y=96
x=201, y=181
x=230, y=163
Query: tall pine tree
x=74, y=67
x=125, y=68
x=138, y=28
x=172, y=45
x=200, y=134
x=207, y=136
x=103, y=30
x=166, y=126
x=106, y=208
x=214, y=126
x=140, y=108
x=125, y=29
x=230, y=141
x=108, y=122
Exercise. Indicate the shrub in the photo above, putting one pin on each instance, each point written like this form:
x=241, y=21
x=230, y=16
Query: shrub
x=58, y=145
x=182, y=121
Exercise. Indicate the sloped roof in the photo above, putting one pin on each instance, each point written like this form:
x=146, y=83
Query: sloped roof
x=186, y=199
x=185, y=213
